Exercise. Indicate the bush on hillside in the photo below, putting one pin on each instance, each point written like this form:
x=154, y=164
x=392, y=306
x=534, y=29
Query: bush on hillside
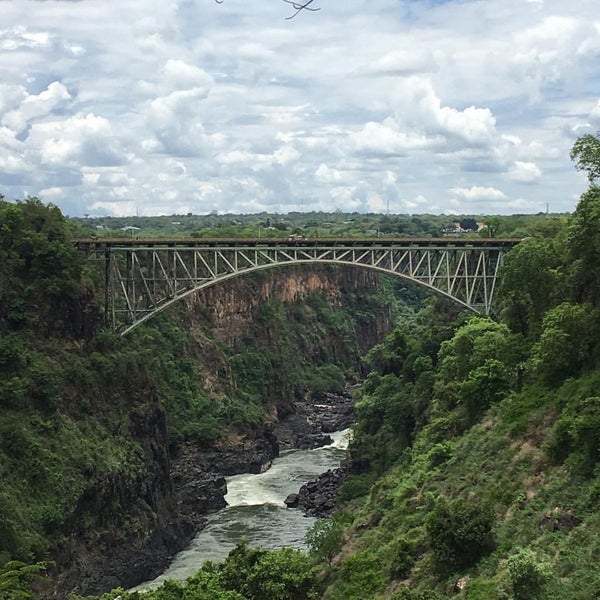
x=459, y=533
x=576, y=436
x=528, y=576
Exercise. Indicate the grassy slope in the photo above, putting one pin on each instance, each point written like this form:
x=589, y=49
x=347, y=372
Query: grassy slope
x=545, y=515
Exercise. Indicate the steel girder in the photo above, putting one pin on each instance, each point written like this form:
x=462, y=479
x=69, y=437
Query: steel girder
x=144, y=280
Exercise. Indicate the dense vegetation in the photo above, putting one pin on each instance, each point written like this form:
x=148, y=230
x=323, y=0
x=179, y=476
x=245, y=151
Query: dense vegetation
x=477, y=449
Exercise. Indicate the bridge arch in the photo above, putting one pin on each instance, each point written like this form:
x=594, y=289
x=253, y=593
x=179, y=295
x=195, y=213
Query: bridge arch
x=145, y=277
x=170, y=301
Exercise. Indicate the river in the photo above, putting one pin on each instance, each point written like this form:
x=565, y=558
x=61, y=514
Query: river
x=256, y=511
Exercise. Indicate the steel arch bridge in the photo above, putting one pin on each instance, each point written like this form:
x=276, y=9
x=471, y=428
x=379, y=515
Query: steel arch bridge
x=146, y=276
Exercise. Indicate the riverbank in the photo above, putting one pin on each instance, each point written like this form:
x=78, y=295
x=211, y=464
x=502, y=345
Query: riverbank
x=199, y=486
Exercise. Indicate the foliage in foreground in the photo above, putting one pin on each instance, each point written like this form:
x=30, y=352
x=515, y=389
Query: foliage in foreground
x=246, y=574
x=16, y=579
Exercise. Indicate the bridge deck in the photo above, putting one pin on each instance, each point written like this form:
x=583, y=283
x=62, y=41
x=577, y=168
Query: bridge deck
x=192, y=242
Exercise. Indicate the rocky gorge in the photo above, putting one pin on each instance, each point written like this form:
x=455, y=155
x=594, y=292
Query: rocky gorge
x=127, y=525
x=199, y=488
x=199, y=476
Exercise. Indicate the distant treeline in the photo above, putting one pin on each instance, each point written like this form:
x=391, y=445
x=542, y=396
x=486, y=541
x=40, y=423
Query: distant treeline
x=321, y=224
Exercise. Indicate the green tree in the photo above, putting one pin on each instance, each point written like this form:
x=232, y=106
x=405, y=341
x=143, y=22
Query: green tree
x=485, y=385
x=389, y=356
x=567, y=343
x=583, y=243
x=324, y=539
x=206, y=585
x=477, y=341
x=532, y=281
x=257, y=573
x=459, y=533
x=586, y=154
x=493, y=225
x=468, y=224
x=40, y=279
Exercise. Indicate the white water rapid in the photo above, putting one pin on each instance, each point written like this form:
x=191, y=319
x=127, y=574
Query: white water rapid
x=256, y=511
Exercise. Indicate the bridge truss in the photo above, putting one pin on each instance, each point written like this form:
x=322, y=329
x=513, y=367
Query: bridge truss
x=144, y=277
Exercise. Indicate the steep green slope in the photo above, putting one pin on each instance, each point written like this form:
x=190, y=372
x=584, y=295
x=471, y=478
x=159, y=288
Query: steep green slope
x=508, y=508
x=476, y=460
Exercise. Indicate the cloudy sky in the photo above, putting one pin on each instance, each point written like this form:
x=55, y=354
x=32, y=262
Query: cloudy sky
x=153, y=107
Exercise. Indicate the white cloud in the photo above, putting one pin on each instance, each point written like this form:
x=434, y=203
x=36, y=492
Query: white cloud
x=327, y=175
x=127, y=208
x=183, y=76
x=33, y=106
x=387, y=138
x=478, y=194
x=526, y=172
x=416, y=203
x=345, y=198
x=20, y=37
x=375, y=202
x=405, y=62
x=52, y=193
x=286, y=155
x=78, y=140
x=176, y=122
x=230, y=107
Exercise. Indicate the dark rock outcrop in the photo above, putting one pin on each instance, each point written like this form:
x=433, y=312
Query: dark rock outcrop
x=136, y=525
x=199, y=474
x=317, y=497
x=306, y=424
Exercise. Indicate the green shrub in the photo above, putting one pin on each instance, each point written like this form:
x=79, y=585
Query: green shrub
x=567, y=343
x=356, y=486
x=483, y=589
x=401, y=557
x=257, y=573
x=460, y=533
x=528, y=576
x=361, y=576
x=324, y=539
x=576, y=436
x=439, y=454
x=326, y=378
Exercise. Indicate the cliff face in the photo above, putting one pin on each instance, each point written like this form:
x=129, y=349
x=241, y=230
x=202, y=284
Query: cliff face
x=230, y=314
x=136, y=522
x=136, y=526
x=233, y=306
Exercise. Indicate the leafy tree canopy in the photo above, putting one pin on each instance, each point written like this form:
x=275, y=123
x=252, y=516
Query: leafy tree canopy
x=41, y=268
x=586, y=154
